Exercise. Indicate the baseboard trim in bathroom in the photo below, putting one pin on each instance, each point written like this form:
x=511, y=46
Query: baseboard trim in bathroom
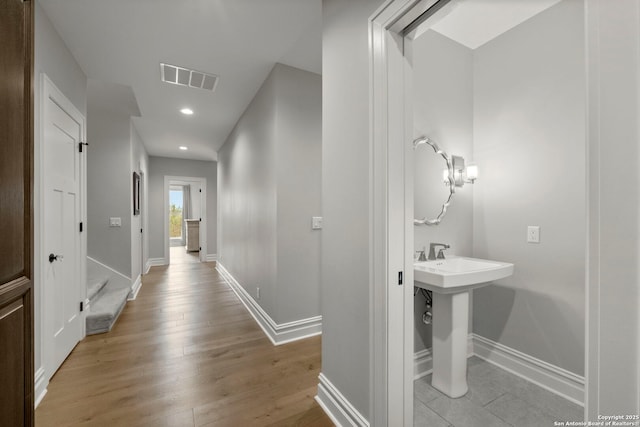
x=423, y=360
x=337, y=407
x=211, y=258
x=548, y=376
x=278, y=333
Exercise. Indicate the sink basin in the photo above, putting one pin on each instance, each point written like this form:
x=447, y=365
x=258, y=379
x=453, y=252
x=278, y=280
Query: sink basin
x=457, y=274
x=450, y=280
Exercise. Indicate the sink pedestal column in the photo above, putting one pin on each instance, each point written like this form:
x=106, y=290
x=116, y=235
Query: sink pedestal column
x=450, y=330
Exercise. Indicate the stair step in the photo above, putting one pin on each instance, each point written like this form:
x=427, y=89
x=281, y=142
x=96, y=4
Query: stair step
x=106, y=308
x=95, y=285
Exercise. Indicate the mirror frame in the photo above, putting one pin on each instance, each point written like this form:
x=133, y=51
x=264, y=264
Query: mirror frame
x=450, y=181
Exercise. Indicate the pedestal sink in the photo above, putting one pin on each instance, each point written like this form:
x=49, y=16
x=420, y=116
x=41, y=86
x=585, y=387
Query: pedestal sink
x=450, y=280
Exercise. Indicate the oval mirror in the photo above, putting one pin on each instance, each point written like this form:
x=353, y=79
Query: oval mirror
x=432, y=193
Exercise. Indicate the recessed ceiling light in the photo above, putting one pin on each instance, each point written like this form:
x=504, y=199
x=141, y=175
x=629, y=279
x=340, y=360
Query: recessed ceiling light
x=183, y=148
x=187, y=111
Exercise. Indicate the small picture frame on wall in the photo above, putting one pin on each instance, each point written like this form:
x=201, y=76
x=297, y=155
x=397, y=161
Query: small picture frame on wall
x=136, y=194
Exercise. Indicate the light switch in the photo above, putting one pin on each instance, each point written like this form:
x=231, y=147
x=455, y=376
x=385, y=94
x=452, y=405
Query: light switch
x=533, y=234
x=115, y=222
x=316, y=223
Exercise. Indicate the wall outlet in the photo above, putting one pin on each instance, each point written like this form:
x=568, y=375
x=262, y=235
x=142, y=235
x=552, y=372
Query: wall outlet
x=316, y=223
x=258, y=293
x=115, y=222
x=533, y=234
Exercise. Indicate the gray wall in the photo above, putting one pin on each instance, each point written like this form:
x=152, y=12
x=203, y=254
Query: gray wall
x=344, y=268
x=299, y=173
x=109, y=187
x=248, y=203
x=53, y=58
x=529, y=142
x=269, y=186
x=443, y=111
x=159, y=167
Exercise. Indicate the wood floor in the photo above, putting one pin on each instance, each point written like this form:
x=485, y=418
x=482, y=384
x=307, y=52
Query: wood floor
x=185, y=353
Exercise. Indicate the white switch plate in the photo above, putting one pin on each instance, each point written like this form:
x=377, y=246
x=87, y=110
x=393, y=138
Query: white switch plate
x=115, y=222
x=316, y=223
x=533, y=234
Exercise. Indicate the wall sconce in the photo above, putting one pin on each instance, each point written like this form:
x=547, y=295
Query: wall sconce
x=459, y=173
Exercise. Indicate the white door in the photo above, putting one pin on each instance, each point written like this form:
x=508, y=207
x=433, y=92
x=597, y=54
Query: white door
x=61, y=233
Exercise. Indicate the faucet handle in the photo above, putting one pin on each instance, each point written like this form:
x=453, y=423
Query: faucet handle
x=432, y=250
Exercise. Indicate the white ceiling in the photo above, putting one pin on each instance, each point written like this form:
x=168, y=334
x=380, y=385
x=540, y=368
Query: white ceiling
x=473, y=23
x=123, y=42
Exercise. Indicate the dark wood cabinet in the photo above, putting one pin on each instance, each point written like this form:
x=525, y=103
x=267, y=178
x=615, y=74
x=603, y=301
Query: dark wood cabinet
x=16, y=201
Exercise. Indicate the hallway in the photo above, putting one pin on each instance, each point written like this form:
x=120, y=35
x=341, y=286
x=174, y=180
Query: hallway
x=185, y=353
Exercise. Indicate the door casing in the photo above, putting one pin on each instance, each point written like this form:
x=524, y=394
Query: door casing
x=44, y=344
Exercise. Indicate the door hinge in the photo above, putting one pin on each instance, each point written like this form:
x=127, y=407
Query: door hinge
x=81, y=227
x=200, y=190
x=80, y=144
x=399, y=277
x=81, y=306
x=200, y=248
x=200, y=219
x=141, y=230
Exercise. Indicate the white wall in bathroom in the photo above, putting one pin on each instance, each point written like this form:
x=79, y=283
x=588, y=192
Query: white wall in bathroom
x=443, y=111
x=529, y=143
x=269, y=188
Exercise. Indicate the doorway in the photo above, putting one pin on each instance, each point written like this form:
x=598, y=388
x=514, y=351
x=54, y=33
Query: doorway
x=185, y=219
x=390, y=129
x=61, y=218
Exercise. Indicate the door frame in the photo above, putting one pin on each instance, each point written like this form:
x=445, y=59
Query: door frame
x=203, y=215
x=44, y=372
x=391, y=211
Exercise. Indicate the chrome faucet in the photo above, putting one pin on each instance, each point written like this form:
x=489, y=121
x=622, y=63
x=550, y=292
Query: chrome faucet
x=422, y=255
x=432, y=251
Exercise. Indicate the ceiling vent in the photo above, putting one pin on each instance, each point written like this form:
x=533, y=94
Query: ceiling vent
x=186, y=77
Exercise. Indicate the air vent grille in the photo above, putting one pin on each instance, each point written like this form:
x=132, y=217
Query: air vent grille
x=186, y=77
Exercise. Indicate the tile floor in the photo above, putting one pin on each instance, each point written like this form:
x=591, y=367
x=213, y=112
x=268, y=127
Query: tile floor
x=496, y=398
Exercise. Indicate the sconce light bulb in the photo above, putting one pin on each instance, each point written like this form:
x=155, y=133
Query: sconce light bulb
x=472, y=172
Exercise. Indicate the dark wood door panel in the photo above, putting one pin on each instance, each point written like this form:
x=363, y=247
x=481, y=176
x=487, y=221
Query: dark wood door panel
x=16, y=200
x=13, y=131
x=12, y=323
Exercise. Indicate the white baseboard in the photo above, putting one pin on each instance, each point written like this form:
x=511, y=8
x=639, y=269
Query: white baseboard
x=278, y=333
x=154, y=262
x=548, y=376
x=337, y=407
x=135, y=288
x=211, y=257
x=41, y=384
x=423, y=360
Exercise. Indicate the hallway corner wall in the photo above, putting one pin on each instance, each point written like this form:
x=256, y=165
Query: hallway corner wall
x=269, y=188
x=53, y=58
